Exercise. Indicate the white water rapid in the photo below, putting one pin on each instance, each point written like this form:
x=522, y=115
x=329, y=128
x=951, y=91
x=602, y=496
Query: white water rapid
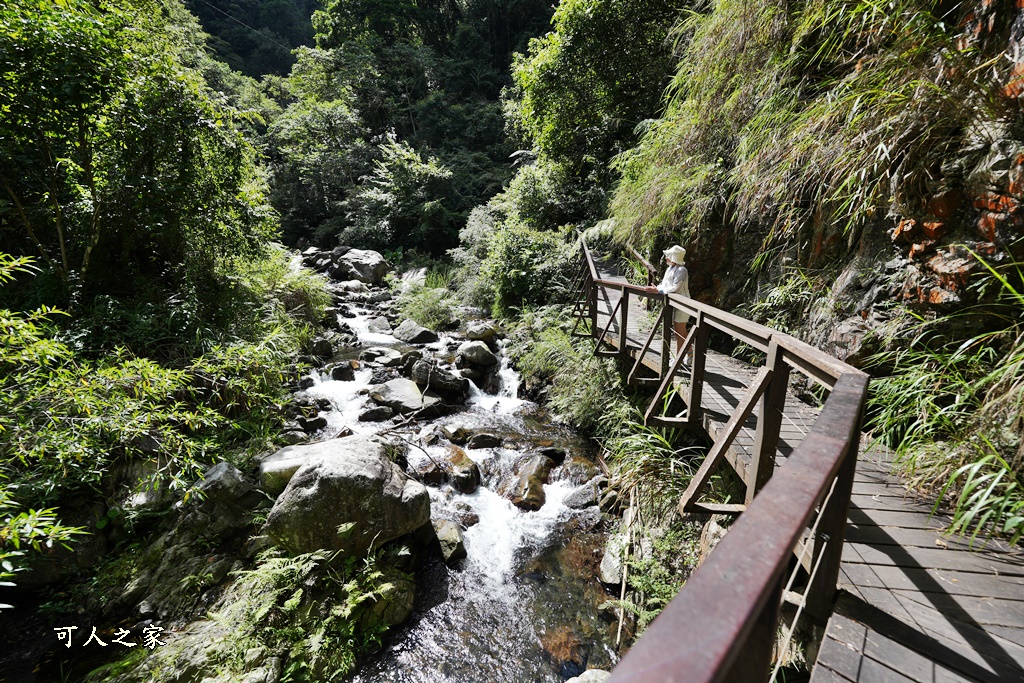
x=523, y=605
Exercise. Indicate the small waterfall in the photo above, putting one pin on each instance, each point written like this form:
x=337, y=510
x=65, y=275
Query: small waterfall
x=518, y=608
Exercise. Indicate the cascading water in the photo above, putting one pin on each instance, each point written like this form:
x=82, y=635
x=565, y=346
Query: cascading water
x=523, y=605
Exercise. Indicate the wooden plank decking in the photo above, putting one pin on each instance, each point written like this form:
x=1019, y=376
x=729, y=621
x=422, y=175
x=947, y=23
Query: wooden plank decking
x=918, y=605
x=915, y=605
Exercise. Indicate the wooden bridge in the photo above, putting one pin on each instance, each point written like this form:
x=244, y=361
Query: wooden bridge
x=824, y=529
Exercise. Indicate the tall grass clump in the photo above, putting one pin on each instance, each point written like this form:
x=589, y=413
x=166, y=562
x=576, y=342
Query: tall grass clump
x=788, y=119
x=954, y=412
x=433, y=303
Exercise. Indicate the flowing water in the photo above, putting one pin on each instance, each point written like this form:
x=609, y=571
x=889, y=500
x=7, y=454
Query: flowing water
x=523, y=605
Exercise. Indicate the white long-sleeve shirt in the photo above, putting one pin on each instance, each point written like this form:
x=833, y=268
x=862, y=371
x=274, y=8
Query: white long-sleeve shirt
x=676, y=281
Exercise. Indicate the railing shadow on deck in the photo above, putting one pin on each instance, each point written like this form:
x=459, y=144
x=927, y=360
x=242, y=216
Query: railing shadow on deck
x=723, y=625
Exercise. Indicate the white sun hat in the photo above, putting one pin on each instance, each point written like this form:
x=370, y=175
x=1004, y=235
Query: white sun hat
x=675, y=254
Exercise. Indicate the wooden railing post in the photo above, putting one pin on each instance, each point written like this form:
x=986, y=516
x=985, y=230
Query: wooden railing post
x=696, y=391
x=667, y=336
x=769, y=423
x=623, y=336
x=754, y=661
x=828, y=544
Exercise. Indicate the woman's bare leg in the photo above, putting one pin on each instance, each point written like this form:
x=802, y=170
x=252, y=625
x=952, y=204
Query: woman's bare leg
x=680, y=329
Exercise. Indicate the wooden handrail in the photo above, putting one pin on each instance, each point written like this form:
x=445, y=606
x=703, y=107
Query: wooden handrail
x=704, y=633
x=801, y=356
x=730, y=605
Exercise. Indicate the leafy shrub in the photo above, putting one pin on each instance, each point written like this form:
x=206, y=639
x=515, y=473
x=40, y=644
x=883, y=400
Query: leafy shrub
x=527, y=266
x=432, y=307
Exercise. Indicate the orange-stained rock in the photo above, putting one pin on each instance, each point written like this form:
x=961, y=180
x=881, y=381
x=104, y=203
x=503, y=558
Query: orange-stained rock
x=945, y=204
x=933, y=230
x=922, y=247
x=904, y=230
x=991, y=201
x=988, y=223
x=951, y=271
x=938, y=295
x=1015, y=84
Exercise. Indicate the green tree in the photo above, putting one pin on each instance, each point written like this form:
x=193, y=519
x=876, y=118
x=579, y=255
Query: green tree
x=585, y=86
x=114, y=161
x=399, y=205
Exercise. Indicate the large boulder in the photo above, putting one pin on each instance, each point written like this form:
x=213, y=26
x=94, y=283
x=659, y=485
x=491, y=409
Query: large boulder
x=379, y=325
x=413, y=333
x=403, y=396
x=477, y=353
x=528, y=492
x=429, y=374
x=352, y=500
x=449, y=535
x=483, y=331
x=465, y=472
x=360, y=264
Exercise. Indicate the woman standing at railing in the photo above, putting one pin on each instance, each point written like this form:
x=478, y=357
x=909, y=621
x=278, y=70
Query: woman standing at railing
x=676, y=281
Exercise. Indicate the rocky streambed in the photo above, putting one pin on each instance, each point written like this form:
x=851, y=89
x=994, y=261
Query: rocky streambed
x=401, y=434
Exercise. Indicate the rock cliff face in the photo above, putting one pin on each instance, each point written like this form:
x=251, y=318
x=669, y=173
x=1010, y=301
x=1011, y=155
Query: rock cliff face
x=922, y=254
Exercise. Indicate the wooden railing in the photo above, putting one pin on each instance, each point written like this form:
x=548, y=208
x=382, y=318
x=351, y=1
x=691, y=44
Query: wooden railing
x=723, y=625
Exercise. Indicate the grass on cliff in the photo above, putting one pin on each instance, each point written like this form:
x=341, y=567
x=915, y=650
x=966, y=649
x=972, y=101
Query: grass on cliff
x=954, y=412
x=821, y=116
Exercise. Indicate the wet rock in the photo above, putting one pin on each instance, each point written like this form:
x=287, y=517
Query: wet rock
x=556, y=454
x=477, y=353
x=378, y=297
x=376, y=414
x=362, y=265
x=456, y=433
x=484, y=440
x=381, y=375
x=611, y=561
x=412, y=333
x=586, y=495
x=484, y=331
x=464, y=471
x=379, y=325
x=311, y=424
x=528, y=492
x=403, y=396
x=323, y=347
x=350, y=287
x=409, y=359
x=344, y=372
x=465, y=515
x=429, y=374
x=430, y=435
x=591, y=676
x=350, y=498
x=429, y=472
x=449, y=535
x=383, y=355
x=470, y=373
x=306, y=383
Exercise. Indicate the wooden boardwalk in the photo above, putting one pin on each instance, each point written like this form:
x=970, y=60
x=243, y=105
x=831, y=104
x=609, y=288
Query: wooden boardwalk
x=918, y=605
x=725, y=381
x=915, y=605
